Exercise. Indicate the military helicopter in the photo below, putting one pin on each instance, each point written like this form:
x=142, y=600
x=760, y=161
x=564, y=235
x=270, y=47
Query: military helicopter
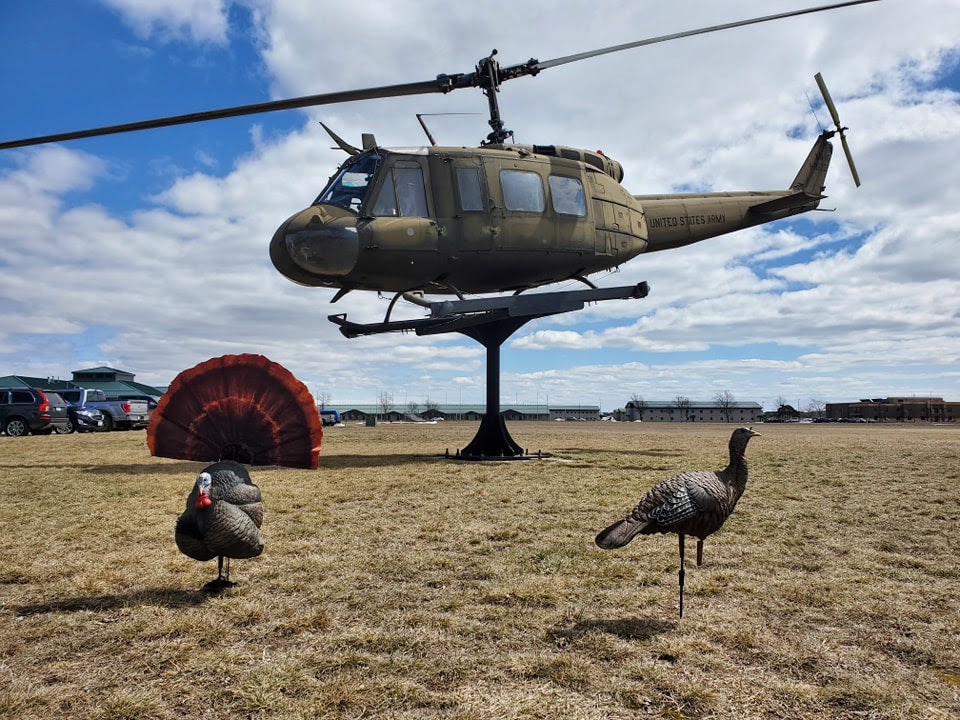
x=498, y=218
x=501, y=217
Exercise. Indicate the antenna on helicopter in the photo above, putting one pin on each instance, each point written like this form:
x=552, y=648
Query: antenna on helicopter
x=835, y=116
x=421, y=116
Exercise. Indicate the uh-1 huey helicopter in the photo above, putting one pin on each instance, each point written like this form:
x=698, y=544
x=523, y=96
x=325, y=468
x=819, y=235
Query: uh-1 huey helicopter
x=507, y=217
x=498, y=218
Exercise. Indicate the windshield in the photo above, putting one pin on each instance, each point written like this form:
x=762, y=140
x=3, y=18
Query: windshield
x=351, y=184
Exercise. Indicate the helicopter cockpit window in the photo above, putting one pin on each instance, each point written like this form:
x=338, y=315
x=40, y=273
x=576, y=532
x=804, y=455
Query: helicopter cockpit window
x=350, y=186
x=402, y=193
x=468, y=182
x=522, y=190
x=567, y=195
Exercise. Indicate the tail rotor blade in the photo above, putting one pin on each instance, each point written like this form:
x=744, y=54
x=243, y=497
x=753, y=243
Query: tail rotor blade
x=827, y=99
x=835, y=116
x=846, y=151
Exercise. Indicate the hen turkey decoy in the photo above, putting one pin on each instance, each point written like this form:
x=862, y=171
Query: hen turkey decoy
x=222, y=519
x=691, y=503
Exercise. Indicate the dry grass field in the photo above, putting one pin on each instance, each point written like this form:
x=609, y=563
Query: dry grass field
x=396, y=584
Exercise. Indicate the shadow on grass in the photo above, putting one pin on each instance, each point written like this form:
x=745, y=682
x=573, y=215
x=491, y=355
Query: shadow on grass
x=188, y=467
x=334, y=462
x=626, y=628
x=155, y=468
x=337, y=462
x=178, y=468
x=649, y=452
x=166, y=597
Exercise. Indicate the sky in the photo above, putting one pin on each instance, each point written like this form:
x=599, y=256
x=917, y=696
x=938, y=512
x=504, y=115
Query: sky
x=147, y=252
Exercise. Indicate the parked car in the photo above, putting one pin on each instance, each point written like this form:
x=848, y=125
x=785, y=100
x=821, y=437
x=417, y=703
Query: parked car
x=82, y=419
x=119, y=414
x=27, y=410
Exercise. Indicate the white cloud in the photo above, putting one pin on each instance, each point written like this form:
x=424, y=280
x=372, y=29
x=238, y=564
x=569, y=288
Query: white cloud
x=200, y=20
x=862, y=301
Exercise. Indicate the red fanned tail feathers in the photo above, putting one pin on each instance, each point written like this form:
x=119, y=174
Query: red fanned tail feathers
x=237, y=407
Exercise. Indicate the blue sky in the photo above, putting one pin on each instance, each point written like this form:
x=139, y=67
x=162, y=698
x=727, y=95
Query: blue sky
x=148, y=252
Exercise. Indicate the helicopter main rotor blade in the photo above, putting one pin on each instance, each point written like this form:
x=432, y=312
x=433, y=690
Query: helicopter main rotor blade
x=486, y=76
x=439, y=85
x=538, y=66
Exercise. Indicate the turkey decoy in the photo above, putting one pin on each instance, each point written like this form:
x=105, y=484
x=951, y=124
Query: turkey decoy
x=691, y=503
x=222, y=519
x=232, y=409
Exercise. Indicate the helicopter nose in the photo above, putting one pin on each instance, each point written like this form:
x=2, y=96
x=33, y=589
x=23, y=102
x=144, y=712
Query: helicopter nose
x=315, y=247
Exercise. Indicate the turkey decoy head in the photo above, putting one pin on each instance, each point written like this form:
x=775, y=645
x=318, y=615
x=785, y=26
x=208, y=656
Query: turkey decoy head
x=204, y=481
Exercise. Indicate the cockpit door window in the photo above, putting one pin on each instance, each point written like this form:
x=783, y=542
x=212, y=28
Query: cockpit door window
x=402, y=193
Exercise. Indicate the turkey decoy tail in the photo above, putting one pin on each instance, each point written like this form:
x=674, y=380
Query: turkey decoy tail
x=620, y=533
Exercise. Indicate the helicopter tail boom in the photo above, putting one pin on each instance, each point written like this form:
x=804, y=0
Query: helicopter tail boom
x=682, y=219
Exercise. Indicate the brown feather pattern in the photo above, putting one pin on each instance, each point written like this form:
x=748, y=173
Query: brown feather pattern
x=692, y=503
x=230, y=525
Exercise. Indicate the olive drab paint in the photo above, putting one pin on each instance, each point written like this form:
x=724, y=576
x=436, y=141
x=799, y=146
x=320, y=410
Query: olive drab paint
x=505, y=217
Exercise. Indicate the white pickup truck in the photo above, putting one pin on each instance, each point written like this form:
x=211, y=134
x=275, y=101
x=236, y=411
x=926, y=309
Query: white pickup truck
x=117, y=414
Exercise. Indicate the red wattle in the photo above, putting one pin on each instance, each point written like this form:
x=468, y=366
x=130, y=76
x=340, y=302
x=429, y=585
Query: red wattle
x=203, y=500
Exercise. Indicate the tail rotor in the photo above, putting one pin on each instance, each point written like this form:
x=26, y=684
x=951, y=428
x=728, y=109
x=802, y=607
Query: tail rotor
x=839, y=128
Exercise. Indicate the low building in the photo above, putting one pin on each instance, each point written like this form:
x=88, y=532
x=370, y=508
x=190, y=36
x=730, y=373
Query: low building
x=575, y=412
x=113, y=382
x=692, y=411
x=510, y=412
x=896, y=409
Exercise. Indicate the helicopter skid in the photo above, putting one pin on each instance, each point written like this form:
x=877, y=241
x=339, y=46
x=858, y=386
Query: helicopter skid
x=460, y=315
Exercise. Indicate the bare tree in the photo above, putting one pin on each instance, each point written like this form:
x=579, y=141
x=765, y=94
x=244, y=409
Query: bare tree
x=638, y=404
x=384, y=402
x=725, y=401
x=323, y=398
x=816, y=407
x=430, y=404
x=682, y=404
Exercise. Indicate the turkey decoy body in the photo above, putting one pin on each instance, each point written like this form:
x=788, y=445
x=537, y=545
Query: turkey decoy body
x=222, y=519
x=692, y=503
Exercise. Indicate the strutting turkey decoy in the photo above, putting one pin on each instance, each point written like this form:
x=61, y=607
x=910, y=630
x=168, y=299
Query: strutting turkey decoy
x=222, y=519
x=230, y=410
x=691, y=503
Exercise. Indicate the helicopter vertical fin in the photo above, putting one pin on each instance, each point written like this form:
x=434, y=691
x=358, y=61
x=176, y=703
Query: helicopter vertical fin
x=812, y=177
x=806, y=190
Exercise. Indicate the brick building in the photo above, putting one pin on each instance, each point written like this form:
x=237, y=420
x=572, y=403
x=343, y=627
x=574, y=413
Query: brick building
x=897, y=409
